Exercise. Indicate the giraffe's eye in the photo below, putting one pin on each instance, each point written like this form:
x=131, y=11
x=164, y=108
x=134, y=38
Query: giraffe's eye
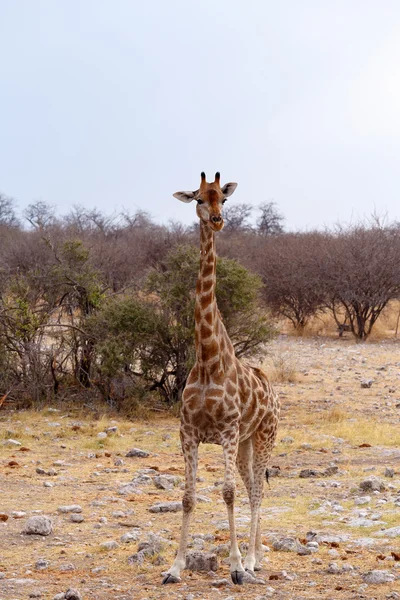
x=200, y=201
x=224, y=200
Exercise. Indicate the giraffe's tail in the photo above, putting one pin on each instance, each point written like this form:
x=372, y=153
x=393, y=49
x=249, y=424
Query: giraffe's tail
x=267, y=475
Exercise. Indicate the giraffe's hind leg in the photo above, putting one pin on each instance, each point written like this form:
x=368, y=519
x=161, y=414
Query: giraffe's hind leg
x=230, y=450
x=244, y=464
x=262, y=442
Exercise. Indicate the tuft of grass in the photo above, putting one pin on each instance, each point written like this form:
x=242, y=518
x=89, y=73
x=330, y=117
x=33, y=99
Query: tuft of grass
x=336, y=415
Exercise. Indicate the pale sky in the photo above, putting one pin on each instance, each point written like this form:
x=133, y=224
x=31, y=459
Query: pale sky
x=119, y=103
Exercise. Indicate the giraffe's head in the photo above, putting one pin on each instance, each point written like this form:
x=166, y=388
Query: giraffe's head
x=210, y=198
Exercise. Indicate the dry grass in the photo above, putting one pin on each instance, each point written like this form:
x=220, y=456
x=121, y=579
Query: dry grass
x=283, y=370
x=360, y=431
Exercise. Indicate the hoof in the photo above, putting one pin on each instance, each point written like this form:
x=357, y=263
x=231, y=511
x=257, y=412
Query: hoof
x=170, y=579
x=257, y=568
x=237, y=577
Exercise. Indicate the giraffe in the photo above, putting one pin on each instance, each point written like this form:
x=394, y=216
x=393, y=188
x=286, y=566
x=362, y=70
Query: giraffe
x=225, y=401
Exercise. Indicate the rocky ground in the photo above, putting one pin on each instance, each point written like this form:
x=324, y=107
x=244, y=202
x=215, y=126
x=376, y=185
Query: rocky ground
x=85, y=515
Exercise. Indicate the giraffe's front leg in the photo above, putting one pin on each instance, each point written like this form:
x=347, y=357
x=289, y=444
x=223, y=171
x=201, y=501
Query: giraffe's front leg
x=228, y=492
x=190, y=453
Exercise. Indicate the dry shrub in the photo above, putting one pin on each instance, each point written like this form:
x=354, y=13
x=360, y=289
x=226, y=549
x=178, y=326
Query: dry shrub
x=283, y=370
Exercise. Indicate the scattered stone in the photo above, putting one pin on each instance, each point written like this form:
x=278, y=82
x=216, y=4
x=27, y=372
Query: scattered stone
x=98, y=569
x=118, y=462
x=333, y=568
x=10, y=443
x=162, y=507
x=60, y=596
x=221, y=549
x=18, y=514
x=149, y=548
x=42, y=564
x=72, y=594
x=67, y=568
x=136, y=558
x=128, y=489
x=362, y=522
x=102, y=435
x=152, y=546
x=329, y=471
x=313, y=546
x=51, y=472
x=391, y=532
x=389, y=472
x=362, y=500
x=372, y=484
x=3, y=517
x=111, y=545
x=35, y=594
x=129, y=537
x=112, y=429
x=136, y=452
x=305, y=473
x=201, y=498
x=71, y=508
x=376, y=576
x=75, y=518
x=288, y=439
x=366, y=383
x=142, y=479
x=38, y=525
x=165, y=482
x=220, y=582
x=201, y=561
x=290, y=544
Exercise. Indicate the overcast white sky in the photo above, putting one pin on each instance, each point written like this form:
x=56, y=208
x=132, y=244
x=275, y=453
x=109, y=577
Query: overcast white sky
x=120, y=103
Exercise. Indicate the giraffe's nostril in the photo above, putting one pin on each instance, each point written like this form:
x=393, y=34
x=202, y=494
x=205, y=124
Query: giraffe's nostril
x=216, y=218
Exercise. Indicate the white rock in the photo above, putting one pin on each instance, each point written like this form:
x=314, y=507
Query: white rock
x=38, y=525
x=362, y=500
x=391, y=532
x=70, y=508
x=109, y=545
x=376, y=576
x=10, y=443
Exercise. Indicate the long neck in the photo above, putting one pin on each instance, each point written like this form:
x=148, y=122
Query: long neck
x=208, y=323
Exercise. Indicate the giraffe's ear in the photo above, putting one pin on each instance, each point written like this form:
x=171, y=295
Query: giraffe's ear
x=185, y=196
x=228, y=189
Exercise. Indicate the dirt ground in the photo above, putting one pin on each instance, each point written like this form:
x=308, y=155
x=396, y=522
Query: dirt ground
x=343, y=432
